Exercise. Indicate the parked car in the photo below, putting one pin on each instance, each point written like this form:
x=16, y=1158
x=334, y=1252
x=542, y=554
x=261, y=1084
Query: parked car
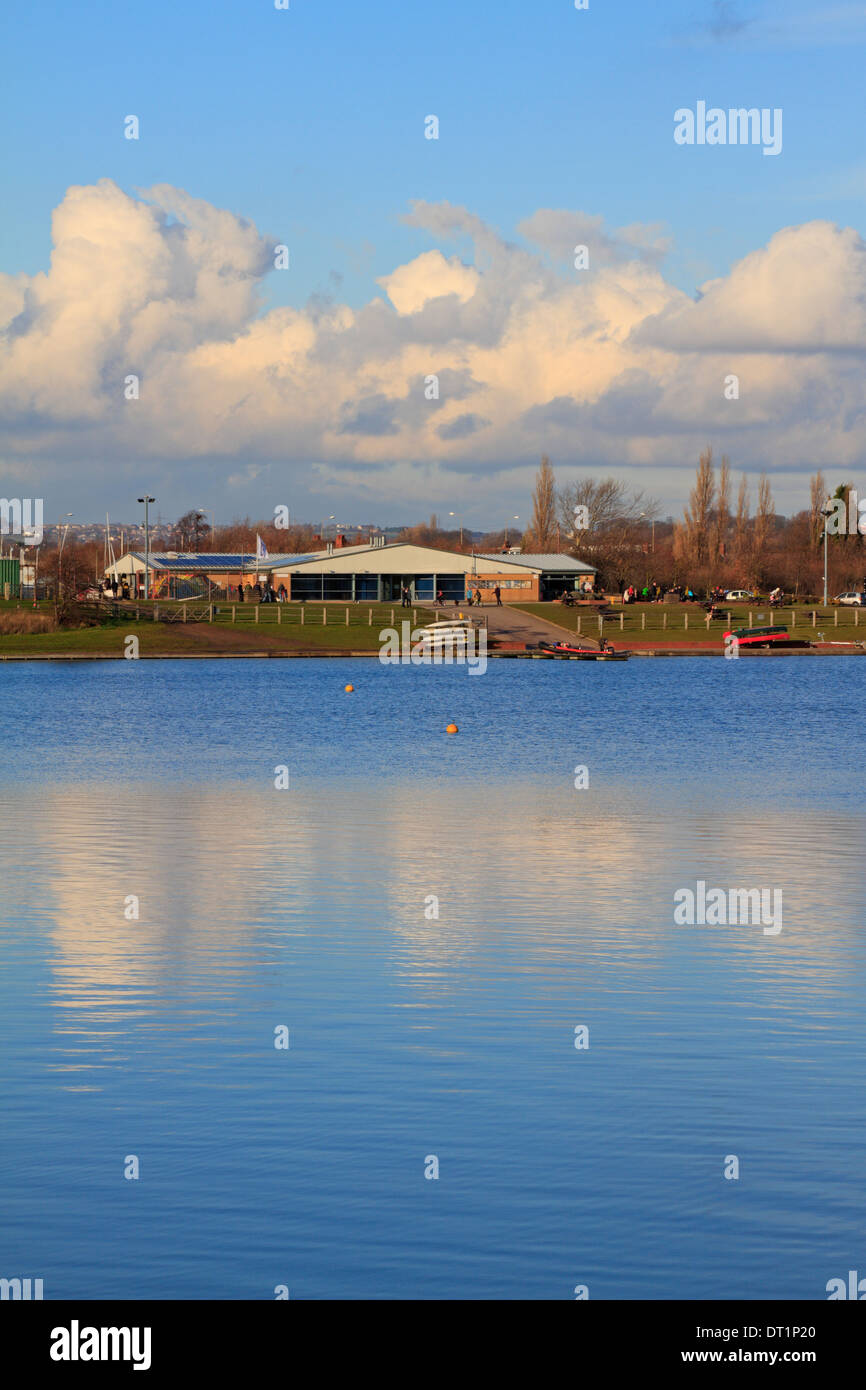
x=851, y=599
x=739, y=595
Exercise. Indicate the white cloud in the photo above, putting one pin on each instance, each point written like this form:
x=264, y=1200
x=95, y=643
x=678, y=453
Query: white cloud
x=429, y=276
x=614, y=368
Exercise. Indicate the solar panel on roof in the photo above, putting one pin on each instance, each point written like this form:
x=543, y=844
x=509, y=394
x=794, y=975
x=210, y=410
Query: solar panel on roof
x=219, y=562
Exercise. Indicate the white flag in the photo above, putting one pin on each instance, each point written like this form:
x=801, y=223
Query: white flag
x=261, y=548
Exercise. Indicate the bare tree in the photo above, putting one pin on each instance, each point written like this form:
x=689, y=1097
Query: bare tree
x=765, y=516
x=606, y=524
x=817, y=498
x=741, y=522
x=697, y=515
x=541, y=535
x=190, y=530
x=723, y=510
x=607, y=507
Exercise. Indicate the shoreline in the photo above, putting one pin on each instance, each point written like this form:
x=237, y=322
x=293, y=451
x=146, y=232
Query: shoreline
x=824, y=650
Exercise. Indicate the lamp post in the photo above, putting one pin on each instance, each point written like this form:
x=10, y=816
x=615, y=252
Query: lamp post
x=208, y=511
x=653, y=525
x=825, y=512
x=516, y=518
x=147, y=501
x=459, y=521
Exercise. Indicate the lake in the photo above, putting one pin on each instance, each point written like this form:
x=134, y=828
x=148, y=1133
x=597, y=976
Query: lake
x=429, y=919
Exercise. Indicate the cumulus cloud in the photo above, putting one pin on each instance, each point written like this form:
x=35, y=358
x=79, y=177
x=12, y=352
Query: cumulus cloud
x=612, y=368
x=803, y=292
x=428, y=277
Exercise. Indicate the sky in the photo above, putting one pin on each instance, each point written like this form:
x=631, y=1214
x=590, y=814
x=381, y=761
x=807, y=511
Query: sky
x=148, y=338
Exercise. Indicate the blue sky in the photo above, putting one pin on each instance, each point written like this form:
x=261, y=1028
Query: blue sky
x=309, y=123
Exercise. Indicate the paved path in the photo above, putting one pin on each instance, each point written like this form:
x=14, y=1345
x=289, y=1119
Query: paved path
x=509, y=625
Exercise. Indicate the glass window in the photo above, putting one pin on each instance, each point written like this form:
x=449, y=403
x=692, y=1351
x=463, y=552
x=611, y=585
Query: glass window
x=338, y=585
x=306, y=586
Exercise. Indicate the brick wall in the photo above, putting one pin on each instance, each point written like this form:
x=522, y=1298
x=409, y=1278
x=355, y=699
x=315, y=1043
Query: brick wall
x=523, y=588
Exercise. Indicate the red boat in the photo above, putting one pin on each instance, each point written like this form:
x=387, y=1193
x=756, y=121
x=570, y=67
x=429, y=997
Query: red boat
x=765, y=637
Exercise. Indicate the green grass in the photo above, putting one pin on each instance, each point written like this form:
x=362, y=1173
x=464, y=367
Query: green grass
x=665, y=624
x=223, y=636
x=279, y=627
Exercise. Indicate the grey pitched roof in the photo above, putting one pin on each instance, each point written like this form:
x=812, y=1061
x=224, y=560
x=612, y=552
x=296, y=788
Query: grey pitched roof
x=559, y=563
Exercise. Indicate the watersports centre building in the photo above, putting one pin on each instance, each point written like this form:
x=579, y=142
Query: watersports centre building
x=353, y=573
x=379, y=572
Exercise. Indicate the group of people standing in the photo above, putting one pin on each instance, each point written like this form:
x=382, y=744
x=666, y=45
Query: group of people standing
x=650, y=593
x=118, y=588
x=262, y=593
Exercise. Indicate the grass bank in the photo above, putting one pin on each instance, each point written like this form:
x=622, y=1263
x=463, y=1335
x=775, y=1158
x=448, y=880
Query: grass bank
x=685, y=624
x=279, y=628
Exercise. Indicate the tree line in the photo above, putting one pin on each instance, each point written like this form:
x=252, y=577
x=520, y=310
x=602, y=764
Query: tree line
x=720, y=540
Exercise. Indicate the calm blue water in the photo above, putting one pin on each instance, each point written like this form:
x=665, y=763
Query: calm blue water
x=411, y=1035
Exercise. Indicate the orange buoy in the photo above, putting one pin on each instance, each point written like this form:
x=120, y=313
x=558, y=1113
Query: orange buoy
x=348, y=689
x=451, y=729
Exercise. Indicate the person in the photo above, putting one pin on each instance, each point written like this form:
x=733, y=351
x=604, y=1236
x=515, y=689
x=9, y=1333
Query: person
x=478, y=598
x=241, y=592
x=469, y=597
x=283, y=593
x=257, y=591
x=404, y=597
x=498, y=594
x=439, y=597
x=124, y=588
x=114, y=585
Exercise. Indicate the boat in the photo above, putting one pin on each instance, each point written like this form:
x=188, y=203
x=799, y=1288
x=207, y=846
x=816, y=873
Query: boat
x=446, y=634
x=578, y=653
x=766, y=637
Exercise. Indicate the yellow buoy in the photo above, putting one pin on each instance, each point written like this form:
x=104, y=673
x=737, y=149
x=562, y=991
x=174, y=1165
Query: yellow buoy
x=452, y=729
x=348, y=689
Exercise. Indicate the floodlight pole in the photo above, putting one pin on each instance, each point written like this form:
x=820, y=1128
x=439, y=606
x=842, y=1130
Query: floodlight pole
x=146, y=500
